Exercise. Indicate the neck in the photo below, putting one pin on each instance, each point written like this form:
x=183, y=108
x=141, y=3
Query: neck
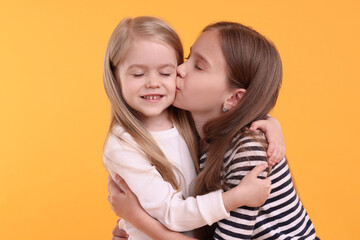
x=201, y=118
x=157, y=123
x=199, y=124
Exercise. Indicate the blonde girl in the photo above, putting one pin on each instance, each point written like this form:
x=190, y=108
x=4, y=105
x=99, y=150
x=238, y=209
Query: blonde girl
x=150, y=143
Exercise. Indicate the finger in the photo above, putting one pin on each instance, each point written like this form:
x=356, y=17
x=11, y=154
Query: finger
x=268, y=182
x=271, y=162
x=257, y=125
x=118, y=238
x=274, y=155
x=117, y=232
x=253, y=126
x=268, y=185
x=123, y=234
x=258, y=169
x=110, y=181
x=282, y=153
x=270, y=149
x=113, y=189
x=121, y=183
x=277, y=157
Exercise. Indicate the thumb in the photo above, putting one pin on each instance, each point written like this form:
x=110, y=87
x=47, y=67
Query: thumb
x=257, y=125
x=121, y=183
x=258, y=169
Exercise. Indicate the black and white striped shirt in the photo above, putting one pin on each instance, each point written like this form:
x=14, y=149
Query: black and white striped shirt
x=282, y=216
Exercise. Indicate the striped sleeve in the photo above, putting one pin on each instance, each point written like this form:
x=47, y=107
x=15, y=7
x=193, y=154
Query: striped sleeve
x=283, y=215
x=242, y=158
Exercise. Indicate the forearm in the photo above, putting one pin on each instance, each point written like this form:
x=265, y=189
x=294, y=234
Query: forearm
x=232, y=199
x=154, y=229
x=164, y=203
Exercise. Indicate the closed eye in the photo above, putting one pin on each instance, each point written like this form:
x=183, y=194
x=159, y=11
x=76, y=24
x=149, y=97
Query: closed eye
x=138, y=75
x=165, y=74
x=198, y=68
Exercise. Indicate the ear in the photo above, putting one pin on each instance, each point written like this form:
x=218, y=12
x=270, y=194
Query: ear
x=234, y=99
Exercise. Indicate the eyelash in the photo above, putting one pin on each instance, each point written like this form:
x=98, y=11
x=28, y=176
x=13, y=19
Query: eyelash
x=138, y=75
x=196, y=66
x=142, y=74
x=165, y=74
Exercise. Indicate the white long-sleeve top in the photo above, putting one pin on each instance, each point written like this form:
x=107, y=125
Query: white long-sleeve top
x=176, y=210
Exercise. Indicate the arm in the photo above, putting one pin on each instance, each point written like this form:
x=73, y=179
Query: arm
x=247, y=156
x=167, y=205
x=251, y=191
x=158, y=197
x=125, y=204
x=272, y=129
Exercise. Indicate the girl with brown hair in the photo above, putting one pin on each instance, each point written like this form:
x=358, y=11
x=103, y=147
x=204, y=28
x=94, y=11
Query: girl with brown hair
x=231, y=79
x=151, y=143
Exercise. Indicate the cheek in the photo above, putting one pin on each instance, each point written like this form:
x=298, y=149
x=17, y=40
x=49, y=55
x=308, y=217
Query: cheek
x=173, y=84
x=206, y=85
x=209, y=92
x=128, y=88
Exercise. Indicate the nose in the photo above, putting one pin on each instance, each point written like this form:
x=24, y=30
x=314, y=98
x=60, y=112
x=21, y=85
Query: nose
x=152, y=82
x=181, y=72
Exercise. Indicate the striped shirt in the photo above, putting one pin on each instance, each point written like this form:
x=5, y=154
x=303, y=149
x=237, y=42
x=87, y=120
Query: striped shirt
x=282, y=216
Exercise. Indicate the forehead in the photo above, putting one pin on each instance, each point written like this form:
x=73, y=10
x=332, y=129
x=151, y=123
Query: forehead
x=209, y=47
x=146, y=51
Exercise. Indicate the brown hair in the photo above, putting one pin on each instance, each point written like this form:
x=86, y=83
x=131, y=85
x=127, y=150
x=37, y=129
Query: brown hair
x=254, y=64
x=121, y=113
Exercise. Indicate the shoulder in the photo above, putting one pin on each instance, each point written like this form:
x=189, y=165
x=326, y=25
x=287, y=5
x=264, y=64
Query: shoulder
x=246, y=152
x=248, y=145
x=119, y=140
x=122, y=152
x=118, y=135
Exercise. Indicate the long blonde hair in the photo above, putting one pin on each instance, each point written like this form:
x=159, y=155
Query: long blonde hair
x=122, y=114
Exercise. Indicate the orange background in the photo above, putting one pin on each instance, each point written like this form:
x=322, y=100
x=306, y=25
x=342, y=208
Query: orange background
x=54, y=112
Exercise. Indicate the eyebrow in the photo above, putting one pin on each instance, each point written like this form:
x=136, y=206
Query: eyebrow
x=145, y=66
x=200, y=56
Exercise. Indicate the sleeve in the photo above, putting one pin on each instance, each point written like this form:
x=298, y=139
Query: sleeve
x=156, y=195
x=244, y=158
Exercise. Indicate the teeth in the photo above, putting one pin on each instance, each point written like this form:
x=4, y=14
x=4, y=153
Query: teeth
x=151, y=97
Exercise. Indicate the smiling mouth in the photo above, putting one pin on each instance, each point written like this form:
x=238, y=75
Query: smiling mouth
x=152, y=97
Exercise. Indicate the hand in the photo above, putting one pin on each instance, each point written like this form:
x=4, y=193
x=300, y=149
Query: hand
x=119, y=234
x=123, y=201
x=272, y=129
x=254, y=191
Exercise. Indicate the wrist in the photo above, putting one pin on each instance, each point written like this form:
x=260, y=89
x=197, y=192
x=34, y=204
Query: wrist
x=234, y=198
x=136, y=216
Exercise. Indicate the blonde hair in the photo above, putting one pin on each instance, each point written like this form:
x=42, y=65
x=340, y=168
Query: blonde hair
x=122, y=114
